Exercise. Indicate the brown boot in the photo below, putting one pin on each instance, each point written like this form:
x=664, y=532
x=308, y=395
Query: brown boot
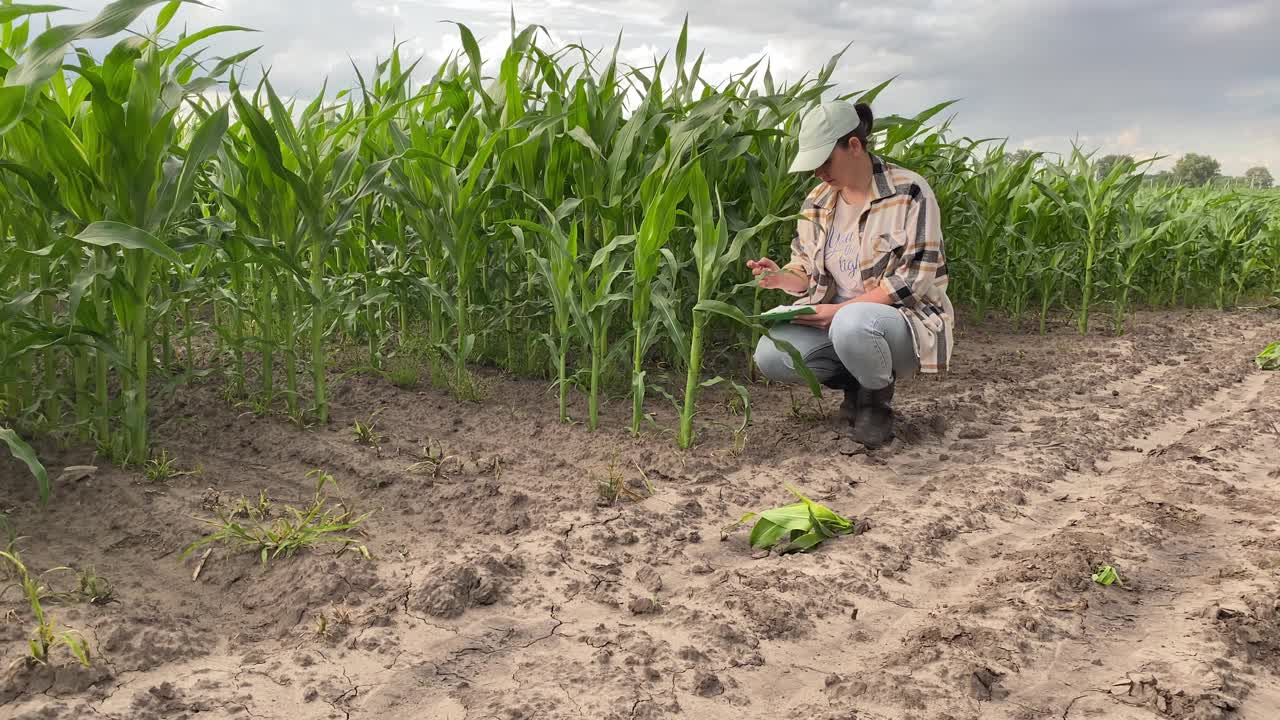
x=874, y=417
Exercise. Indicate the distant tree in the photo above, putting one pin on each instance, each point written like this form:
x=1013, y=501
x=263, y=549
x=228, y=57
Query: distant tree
x=1259, y=177
x=1107, y=162
x=1017, y=157
x=1196, y=170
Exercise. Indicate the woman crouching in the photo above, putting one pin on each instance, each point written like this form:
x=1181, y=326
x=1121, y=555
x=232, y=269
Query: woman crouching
x=869, y=258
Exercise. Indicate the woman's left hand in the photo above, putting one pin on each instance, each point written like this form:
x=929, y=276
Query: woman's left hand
x=821, y=319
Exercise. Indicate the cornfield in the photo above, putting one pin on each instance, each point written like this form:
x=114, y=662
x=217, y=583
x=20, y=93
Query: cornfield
x=565, y=217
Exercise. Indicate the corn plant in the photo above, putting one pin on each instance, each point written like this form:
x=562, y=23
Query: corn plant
x=46, y=636
x=1025, y=258
x=608, y=159
x=317, y=159
x=1135, y=247
x=1186, y=218
x=714, y=254
x=1092, y=205
x=556, y=264
x=774, y=190
x=538, y=220
x=462, y=191
x=660, y=201
x=1235, y=246
x=131, y=124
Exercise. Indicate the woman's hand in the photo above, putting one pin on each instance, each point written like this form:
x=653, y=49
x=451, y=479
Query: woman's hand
x=771, y=277
x=822, y=317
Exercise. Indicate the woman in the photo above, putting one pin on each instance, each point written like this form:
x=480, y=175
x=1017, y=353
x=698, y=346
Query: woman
x=869, y=258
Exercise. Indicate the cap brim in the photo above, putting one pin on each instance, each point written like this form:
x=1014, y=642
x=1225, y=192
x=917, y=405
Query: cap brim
x=810, y=160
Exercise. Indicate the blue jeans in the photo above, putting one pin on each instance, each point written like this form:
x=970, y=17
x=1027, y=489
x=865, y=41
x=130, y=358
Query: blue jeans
x=871, y=340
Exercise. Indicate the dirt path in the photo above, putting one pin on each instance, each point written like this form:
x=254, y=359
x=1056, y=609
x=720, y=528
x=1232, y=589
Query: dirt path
x=503, y=588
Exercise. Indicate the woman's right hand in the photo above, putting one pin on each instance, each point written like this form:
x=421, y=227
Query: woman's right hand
x=773, y=278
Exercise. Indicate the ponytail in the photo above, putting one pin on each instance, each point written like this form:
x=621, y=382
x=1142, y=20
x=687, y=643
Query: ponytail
x=866, y=125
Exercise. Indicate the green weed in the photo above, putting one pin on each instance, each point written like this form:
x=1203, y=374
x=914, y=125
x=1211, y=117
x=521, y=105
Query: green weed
x=94, y=588
x=366, y=432
x=611, y=485
x=291, y=530
x=404, y=372
x=159, y=468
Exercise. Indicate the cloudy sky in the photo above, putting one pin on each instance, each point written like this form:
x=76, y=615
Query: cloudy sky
x=1135, y=76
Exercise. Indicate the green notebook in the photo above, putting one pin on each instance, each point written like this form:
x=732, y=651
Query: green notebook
x=785, y=313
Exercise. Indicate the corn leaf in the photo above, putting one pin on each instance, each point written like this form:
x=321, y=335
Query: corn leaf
x=107, y=233
x=802, y=525
x=767, y=533
x=1269, y=358
x=1106, y=575
x=11, y=102
x=190, y=40
x=23, y=452
x=723, y=308
x=9, y=13
x=166, y=14
x=45, y=54
x=206, y=141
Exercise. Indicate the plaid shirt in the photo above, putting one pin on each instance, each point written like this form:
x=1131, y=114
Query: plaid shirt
x=903, y=251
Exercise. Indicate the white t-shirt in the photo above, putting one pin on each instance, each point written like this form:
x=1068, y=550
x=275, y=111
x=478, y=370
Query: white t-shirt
x=844, y=251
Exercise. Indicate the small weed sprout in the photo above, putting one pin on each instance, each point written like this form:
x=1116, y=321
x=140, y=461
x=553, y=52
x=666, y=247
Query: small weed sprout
x=798, y=410
x=113, y=450
x=740, y=405
x=366, y=432
x=7, y=571
x=160, y=468
x=612, y=485
x=232, y=394
x=94, y=588
x=259, y=405
x=433, y=458
x=648, y=484
x=259, y=509
x=326, y=622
